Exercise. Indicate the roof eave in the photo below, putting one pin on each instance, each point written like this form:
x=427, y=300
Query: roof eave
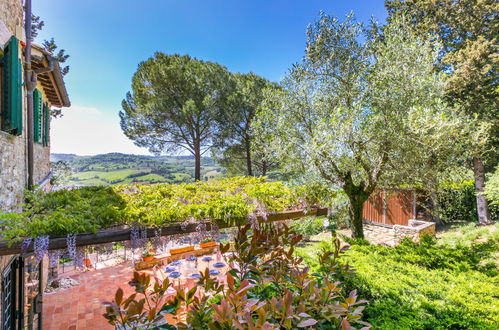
x=60, y=84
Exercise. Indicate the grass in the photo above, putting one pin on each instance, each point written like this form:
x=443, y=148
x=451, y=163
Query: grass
x=151, y=177
x=449, y=283
x=106, y=177
x=467, y=234
x=90, y=182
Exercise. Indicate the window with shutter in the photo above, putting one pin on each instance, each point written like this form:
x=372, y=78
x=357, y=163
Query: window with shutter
x=37, y=115
x=12, y=120
x=46, y=124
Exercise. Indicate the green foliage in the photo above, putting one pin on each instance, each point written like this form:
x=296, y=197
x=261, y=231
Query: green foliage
x=269, y=289
x=82, y=210
x=174, y=104
x=469, y=55
x=338, y=211
x=308, y=227
x=457, y=201
x=229, y=200
x=492, y=189
x=449, y=284
x=88, y=209
x=237, y=150
x=346, y=114
x=467, y=30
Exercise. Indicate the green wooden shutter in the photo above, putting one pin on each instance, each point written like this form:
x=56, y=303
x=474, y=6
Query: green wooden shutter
x=12, y=118
x=46, y=124
x=37, y=115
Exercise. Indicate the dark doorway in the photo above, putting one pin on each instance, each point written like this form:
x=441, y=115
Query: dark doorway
x=21, y=294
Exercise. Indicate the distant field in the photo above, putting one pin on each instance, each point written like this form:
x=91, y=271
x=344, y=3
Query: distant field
x=110, y=169
x=151, y=178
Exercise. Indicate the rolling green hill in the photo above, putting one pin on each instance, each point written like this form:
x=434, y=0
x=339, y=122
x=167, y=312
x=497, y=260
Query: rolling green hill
x=116, y=168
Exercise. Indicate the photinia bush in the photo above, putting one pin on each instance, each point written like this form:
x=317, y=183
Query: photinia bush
x=267, y=287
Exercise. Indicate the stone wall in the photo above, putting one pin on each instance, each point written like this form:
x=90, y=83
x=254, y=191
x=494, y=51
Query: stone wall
x=42, y=163
x=392, y=235
x=13, y=149
x=13, y=154
x=11, y=13
x=12, y=170
x=414, y=230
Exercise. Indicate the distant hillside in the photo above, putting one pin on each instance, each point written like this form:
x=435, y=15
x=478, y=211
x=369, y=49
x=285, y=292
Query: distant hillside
x=116, y=168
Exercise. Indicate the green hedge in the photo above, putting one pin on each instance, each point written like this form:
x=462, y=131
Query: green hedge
x=458, y=202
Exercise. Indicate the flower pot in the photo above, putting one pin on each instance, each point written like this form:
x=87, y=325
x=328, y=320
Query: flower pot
x=88, y=263
x=182, y=250
x=148, y=258
x=207, y=244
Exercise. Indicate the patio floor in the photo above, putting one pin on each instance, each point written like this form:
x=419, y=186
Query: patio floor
x=81, y=307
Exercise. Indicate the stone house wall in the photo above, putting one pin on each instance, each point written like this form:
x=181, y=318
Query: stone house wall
x=13, y=149
x=11, y=13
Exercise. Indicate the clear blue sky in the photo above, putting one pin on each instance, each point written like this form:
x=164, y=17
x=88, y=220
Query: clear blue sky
x=108, y=38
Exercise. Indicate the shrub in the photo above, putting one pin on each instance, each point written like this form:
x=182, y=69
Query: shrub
x=492, y=188
x=269, y=289
x=308, y=227
x=82, y=210
x=89, y=209
x=457, y=201
x=338, y=211
x=424, y=285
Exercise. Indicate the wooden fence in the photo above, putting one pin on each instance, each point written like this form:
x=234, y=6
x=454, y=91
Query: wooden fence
x=391, y=207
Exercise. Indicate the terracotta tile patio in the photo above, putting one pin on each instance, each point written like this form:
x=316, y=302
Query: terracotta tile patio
x=80, y=307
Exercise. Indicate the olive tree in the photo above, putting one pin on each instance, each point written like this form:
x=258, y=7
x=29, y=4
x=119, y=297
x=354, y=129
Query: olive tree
x=355, y=105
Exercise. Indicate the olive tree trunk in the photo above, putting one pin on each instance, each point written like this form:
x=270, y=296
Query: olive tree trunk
x=357, y=196
x=355, y=210
x=481, y=202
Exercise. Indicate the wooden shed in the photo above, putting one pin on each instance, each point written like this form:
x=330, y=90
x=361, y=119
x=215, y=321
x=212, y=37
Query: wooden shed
x=393, y=207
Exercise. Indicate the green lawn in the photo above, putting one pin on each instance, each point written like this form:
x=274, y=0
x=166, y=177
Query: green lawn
x=91, y=182
x=151, y=177
x=449, y=283
x=107, y=175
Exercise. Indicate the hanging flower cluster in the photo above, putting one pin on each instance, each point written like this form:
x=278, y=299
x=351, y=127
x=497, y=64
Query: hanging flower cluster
x=25, y=244
x=71, y=244
x=80, y=257
x=54, y=257
x=41, y=246
x=135, y=237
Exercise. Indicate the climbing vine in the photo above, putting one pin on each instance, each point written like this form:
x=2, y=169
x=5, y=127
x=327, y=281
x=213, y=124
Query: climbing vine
x=89, y=209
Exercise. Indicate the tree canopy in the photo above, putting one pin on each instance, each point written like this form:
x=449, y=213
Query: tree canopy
x=352, y=110
x=238, y=149
x=174, y=105
x=468, y=31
